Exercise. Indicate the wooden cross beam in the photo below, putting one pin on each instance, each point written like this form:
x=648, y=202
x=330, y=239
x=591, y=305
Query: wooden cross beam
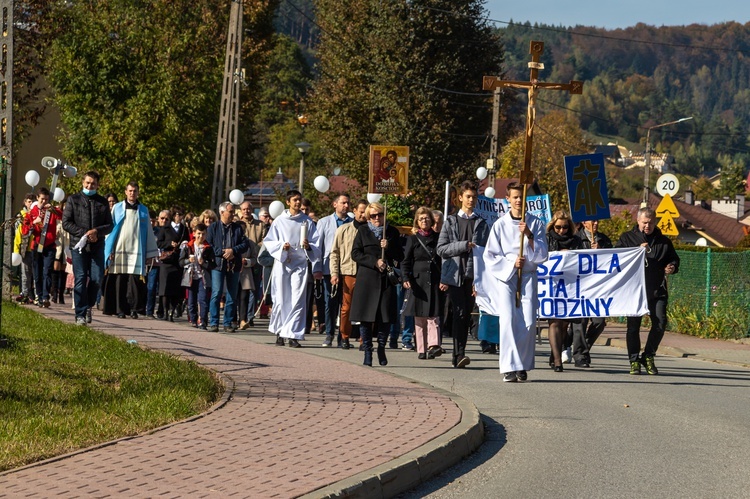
x=526, y=175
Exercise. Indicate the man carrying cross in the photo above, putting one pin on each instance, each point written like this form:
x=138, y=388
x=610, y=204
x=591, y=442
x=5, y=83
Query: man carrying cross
x=504, y=256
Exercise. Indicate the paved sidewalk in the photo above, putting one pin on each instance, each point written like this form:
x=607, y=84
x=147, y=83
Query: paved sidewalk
x=288, y=425
x=681, y=345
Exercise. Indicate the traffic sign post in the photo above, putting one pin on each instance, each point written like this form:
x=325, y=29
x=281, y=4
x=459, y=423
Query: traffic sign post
x=667, y=213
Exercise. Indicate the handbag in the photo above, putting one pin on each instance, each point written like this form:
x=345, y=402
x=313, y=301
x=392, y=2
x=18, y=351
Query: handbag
x=394, y=275
x=187, y=276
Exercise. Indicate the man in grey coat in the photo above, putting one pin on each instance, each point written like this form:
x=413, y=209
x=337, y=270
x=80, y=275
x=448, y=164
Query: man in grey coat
x=461, y=233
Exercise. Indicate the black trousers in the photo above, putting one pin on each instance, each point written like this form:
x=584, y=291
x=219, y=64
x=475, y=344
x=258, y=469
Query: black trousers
x=585, y=334
x=657, y=310
x=462, y=304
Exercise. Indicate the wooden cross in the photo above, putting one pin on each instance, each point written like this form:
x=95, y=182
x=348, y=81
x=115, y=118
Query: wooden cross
x=526, y=175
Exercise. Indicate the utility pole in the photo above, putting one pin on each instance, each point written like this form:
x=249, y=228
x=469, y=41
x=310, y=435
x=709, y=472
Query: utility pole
x=492, y=162
x=225, y=164
x=6, y=141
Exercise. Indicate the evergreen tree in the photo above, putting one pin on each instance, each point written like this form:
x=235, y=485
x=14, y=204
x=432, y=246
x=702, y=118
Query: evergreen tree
x=397, y=72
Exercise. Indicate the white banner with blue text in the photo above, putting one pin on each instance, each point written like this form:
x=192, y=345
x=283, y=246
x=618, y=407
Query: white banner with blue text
x=582, y=283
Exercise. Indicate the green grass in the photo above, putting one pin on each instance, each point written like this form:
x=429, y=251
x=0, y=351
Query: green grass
x=65, y=387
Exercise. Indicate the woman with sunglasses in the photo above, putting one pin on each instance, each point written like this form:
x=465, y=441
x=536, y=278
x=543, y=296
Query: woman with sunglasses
x=376, y=247
x=560, y=237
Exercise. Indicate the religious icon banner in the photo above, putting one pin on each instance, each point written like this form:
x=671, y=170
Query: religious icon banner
x=389, y=170
x=587, y=187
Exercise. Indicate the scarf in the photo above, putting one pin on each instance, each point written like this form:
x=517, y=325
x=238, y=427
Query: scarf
x=378, y=231
x=424, y=233
x=564, y=241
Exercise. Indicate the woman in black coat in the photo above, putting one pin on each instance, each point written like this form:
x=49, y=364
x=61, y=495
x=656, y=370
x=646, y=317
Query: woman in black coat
x=168, y=240
x=560, y=237
x=374, y=297
x=421, y=268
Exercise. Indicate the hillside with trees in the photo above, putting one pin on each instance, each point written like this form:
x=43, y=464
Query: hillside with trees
x=642, y=76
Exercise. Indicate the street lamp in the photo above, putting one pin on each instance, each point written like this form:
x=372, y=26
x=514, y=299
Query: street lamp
x=647, y=158
x=302, y=147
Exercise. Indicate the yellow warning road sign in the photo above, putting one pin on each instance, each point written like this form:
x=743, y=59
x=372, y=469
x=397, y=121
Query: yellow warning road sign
x=667, y=212
x=667, y=208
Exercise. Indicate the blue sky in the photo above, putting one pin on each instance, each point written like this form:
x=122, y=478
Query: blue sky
x=623, y=14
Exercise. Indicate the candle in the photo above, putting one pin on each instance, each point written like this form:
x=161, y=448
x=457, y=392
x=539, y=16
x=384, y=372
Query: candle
x=302, y=234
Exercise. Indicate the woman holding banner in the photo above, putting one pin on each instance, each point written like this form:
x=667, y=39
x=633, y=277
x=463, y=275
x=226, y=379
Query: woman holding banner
x=560, y=237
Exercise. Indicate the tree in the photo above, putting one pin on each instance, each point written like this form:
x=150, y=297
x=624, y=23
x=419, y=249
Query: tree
x=406, y=73
x=138, y=85
x=555, y=136
x=703, y=189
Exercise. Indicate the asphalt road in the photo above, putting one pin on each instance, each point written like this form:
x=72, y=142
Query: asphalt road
x=588, y=433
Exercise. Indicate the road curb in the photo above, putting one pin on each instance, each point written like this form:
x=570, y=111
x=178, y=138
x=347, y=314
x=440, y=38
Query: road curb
x=415, y=467
x=671, y=352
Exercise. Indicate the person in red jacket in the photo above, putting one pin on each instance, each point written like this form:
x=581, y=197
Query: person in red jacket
x=44, y=257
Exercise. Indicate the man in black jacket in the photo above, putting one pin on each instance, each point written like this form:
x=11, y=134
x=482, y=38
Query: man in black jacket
x=661, y=260
x=87, y=219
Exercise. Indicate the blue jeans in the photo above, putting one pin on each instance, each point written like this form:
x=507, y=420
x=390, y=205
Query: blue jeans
x=88, y=269
x=405, y=321
x=153, y=288
x=333, y=305
x=43, y=272
x=217, y=285
x=197, y=306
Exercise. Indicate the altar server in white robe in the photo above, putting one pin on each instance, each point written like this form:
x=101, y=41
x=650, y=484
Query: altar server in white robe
x=293, y=242
x=502, y=261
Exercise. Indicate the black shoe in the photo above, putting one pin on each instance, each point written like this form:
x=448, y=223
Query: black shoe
x=368, y=359
x=230, y=329
x=133, y=315
x=88, y=316
x=280, y=341
x=213, y=329
x=294, y=343
x=648, y=364
x=521, y=375
x=581, y=363
x=510, y=377
x=382, y=360
x=434, y=351
x=423, y=356
x=393, y=345
x=120, y=316
x=346, y=345
x=151, y=316
x=463, y=362
x=558, y=369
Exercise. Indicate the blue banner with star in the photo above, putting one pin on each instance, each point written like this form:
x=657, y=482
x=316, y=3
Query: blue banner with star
x=587, y=187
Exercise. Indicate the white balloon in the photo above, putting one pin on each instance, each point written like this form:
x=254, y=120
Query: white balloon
x=321, y=183
x=236, y=196
x=32, y=178
x=59, y=195
x=275, y=209
x=481, y=173
x=373, y=197
x=15, y=259
x=489, y=192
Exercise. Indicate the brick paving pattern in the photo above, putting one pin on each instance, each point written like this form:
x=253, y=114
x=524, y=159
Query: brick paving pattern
x=294, y=423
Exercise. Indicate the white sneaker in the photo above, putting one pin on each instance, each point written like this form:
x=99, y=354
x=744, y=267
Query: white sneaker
x=567, y=356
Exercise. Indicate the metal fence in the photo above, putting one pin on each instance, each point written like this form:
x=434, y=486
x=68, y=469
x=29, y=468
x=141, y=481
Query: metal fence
x=710, y=295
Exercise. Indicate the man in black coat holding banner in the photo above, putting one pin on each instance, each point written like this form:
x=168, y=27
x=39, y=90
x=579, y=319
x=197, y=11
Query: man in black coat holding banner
x=661, y=260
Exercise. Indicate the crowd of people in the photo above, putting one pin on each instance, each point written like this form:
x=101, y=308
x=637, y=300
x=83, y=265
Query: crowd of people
x=361, y=277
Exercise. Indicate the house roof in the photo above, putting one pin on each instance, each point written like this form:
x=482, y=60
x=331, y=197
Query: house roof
x=724, y=230
x=609, y=150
